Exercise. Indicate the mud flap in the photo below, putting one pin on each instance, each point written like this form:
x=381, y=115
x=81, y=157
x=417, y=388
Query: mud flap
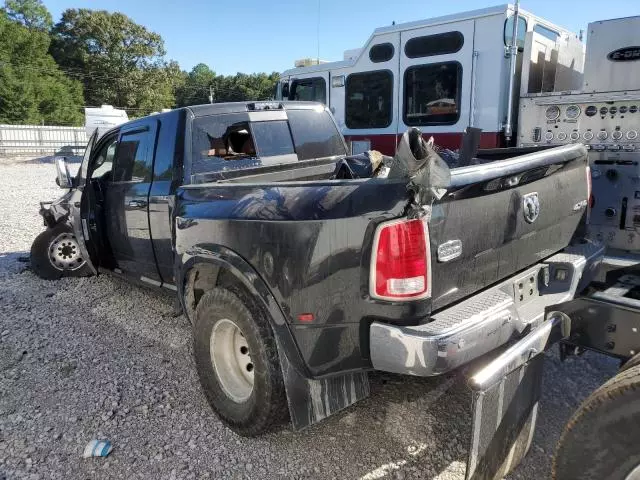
x=313, y=400
x=506, y=394
x=504, y=419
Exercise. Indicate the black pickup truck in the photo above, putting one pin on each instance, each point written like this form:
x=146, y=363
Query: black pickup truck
x=298, y=283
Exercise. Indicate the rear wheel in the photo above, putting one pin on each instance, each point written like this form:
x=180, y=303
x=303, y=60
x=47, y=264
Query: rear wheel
x=237, y=362
x=602, y=440
x=55, y=253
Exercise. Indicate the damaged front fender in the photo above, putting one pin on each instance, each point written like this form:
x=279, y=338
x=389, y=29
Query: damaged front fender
x=57, y=211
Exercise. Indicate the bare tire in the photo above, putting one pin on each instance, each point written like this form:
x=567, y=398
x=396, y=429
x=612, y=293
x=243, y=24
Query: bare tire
x=632, y=362
x=237, y=362
x=602, y=440
x=55, y=253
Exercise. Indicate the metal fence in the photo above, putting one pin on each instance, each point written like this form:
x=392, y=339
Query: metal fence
x=32, y=140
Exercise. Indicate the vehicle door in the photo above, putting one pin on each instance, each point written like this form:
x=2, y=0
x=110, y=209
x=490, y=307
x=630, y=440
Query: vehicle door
x=127, y=202
x=82, y=215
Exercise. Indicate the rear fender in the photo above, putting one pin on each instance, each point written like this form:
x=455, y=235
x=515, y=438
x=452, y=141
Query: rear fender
x=310, y=400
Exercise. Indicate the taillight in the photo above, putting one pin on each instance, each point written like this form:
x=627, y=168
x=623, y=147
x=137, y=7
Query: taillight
x=400, y=262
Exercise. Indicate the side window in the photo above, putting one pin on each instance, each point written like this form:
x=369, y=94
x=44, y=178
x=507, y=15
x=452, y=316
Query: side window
x=315, y=134
x=432, y=94
x=309, y=90
x=546, y=32
x=222, y=142
x=382, y=52
x=131, y=162
x=104, y=160
x=437, y=44
x=508, y=31
x=369, y=99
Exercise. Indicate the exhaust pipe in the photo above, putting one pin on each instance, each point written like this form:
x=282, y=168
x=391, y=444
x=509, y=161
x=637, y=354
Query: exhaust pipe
x=513, y=52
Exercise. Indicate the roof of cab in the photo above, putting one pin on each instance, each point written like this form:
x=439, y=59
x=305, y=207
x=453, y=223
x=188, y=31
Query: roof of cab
x=243, y=107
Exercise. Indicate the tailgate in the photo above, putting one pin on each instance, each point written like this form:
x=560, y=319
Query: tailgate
x=502, y=217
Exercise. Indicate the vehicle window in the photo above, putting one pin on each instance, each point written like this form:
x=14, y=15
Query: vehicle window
x=438, y=44
x=432, y=94
x=368, y=99
x=309, y=90
x=104, y=161
x=546, y=32
x=272, y=138
x=315, y=135
x=222, y=142
x=508, y=31
x=383, y=52
x=131, y=158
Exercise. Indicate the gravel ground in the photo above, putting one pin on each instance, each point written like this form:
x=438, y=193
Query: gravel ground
x=95, y=358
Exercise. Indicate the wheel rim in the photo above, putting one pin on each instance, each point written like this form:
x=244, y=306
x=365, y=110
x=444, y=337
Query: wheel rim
x=64, y=252
x=231, y=360
x=634, y=474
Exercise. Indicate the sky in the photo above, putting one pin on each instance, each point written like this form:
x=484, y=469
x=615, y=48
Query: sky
x=259, y=36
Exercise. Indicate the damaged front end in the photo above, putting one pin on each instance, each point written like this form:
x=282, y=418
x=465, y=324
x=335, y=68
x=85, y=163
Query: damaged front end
x=57, y=211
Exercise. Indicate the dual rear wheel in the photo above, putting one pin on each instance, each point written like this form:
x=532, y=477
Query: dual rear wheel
x=237, y=362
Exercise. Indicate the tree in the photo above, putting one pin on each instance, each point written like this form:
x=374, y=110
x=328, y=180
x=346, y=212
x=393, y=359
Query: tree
x=119, y=61
x=195, y=89
x=236, y=88
x=32, y=87
x=30, y=13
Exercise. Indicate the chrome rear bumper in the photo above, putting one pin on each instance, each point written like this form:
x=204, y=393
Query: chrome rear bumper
x=486, y=320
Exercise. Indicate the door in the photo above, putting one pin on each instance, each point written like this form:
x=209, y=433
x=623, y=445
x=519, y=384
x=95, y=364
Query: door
x=127, y=202
x=436, y=71
x=82, y=211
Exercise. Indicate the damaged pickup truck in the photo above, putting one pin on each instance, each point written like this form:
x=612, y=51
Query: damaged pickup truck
x=299, y=272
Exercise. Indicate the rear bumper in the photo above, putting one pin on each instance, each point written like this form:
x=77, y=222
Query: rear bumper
x=486, y=320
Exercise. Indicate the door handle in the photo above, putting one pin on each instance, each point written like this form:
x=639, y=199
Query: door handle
x=137, y=204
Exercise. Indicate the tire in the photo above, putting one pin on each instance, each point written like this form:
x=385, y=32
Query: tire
x=632, y=362
x=247, y=411
x=602, y=439
x=69, y=264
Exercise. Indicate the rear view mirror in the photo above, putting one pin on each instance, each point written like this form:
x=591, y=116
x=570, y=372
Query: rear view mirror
x=63, y=178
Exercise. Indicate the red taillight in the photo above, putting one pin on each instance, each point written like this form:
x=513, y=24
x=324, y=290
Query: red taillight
x=400, y=260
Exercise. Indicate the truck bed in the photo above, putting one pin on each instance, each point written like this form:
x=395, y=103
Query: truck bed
x=310, y=238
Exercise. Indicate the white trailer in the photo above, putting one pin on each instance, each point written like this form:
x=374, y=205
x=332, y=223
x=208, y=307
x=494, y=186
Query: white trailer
x=442, y=75
x=103, y=118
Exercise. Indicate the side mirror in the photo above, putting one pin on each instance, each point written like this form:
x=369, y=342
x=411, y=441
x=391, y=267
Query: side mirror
x=63, y=178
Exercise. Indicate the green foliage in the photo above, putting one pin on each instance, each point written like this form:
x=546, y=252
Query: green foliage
x=32, y=87
x=239, y=87
x=30, y=13
x=94, y=57
x=120, y=62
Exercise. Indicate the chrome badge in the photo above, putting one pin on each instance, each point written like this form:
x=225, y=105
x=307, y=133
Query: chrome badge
x=531, y=207
x=449, y=250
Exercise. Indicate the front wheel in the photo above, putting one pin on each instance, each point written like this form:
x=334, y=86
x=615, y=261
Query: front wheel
x=55, y=253
x=237, y=362
x=602, y=439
